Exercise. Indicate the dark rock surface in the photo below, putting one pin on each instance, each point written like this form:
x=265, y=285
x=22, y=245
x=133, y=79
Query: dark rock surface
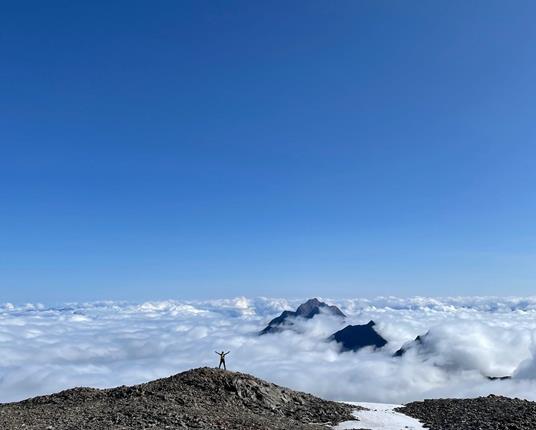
x=306, y=310
x=197, y=399
x=482, y=413
x=355, y=337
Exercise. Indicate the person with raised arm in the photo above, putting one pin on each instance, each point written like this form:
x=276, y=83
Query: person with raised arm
x=222, y=359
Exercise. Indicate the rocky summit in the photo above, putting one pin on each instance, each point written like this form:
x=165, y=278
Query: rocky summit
x=483, y=413
x=197, y=399
x=417, y=343
x=307, y=310
x=355, y=337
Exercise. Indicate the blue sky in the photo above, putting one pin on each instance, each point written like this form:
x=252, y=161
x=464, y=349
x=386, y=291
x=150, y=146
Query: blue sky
x=211, y=149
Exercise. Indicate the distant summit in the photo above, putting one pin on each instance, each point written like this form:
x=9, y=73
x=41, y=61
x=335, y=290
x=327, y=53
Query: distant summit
x=306, y=310
x=417, y=343
x=424, y=346
x=314, y=306
x=355, y=337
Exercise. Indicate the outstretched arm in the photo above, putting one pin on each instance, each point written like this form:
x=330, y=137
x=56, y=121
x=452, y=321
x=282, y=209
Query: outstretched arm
x=227, y=352
x=216, y=352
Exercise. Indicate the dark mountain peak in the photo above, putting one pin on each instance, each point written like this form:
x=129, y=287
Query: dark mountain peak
x=312, y=302
x=416, y=343
x=306, y=310
x=309, y=306
x=314, y=306
x=355, y=337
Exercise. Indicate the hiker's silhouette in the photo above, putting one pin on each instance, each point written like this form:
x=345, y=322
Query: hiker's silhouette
x=222, y=359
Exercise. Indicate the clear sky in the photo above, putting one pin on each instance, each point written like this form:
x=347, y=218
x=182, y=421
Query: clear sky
x=200, y=149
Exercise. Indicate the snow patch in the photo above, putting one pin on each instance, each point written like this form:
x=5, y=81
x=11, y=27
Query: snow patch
x=380, y=416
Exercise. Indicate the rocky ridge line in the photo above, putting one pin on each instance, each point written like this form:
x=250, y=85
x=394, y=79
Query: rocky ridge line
x=202, y=398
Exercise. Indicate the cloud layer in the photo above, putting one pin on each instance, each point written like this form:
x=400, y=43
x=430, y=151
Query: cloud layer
x=44, y=349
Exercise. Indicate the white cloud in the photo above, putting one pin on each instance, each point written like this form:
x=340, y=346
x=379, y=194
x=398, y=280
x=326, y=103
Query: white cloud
x=105, y=344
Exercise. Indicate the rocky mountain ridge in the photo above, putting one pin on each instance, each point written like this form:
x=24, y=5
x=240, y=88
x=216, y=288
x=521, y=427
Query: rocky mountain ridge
x=307, y=310
x=350, y=338
x=202, y=398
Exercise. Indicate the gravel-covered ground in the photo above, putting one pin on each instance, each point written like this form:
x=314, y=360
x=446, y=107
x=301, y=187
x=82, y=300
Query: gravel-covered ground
x=482, y=413
x=197, y=399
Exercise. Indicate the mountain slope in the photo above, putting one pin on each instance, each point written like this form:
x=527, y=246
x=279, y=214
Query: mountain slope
x=197, y=399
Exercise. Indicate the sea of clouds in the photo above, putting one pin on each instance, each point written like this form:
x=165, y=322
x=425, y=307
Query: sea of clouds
x=104, y=344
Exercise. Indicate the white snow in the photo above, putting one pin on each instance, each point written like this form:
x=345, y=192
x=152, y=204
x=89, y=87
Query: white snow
x=380, y=416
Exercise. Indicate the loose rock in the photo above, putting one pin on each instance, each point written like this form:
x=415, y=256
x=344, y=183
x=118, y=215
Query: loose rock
x=482, y=413
x=197, y=399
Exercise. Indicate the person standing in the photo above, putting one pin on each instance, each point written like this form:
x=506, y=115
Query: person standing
x=222, y=359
